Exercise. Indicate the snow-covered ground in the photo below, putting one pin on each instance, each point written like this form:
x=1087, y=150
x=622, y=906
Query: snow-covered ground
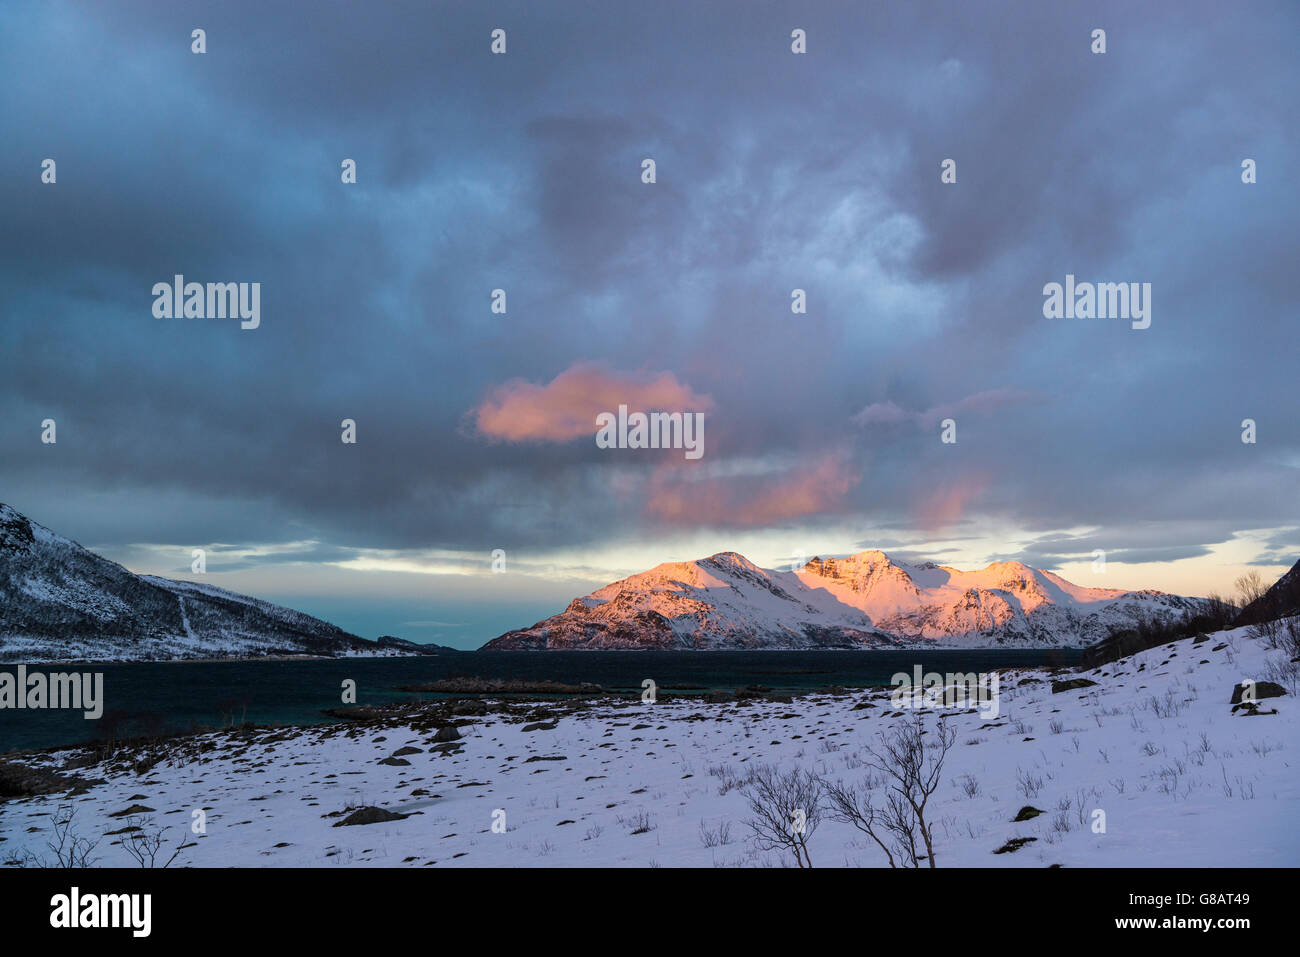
x=1154, y=744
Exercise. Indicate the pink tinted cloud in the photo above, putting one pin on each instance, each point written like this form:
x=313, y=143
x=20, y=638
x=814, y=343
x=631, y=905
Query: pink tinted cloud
x=888, y=413
x=566, y=407
x=946, y=505
x=802, y=491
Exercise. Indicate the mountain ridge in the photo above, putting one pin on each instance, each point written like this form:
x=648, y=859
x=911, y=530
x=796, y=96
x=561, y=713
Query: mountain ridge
x=61, y=602
x=865, y=600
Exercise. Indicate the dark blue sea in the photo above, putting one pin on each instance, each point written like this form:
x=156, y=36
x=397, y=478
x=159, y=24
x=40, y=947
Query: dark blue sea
x=149, y=698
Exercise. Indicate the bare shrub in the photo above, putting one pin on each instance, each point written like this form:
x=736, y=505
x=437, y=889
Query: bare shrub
x=913, y=766
x=68, y=847
x=1061, y=822
x=891, y=826
x=1167, y=706
x=638, y=823
x=1250, y=587
x=1292, y=641
x=145, y=844
x=1285, y=673
x=786, y=808
x=716, y=837
x=1270, y=631
x=1218, y=612
x=1028, y=784
x=727, y=777
x=969, y=785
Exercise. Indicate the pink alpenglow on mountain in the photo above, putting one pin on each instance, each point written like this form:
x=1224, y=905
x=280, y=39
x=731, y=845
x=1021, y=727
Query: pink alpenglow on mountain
x=864, y=601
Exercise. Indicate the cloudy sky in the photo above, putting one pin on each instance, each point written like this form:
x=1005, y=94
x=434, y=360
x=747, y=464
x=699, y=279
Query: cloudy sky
x=523, y=172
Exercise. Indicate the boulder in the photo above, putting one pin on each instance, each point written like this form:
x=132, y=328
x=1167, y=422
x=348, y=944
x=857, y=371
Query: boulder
x=1263, y=689
x=1071, y=685
x=370, y=815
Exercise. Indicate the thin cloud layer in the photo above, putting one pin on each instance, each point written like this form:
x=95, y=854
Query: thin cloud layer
x=889, y=413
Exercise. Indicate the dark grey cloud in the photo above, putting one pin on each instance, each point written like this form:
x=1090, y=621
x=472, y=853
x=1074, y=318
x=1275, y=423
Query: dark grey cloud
x=522, y=172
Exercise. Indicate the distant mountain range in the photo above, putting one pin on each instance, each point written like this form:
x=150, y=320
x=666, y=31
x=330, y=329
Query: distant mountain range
x=60, y=602
x=867, y=600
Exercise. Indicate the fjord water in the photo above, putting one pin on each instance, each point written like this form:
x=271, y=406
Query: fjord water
x=155, y=697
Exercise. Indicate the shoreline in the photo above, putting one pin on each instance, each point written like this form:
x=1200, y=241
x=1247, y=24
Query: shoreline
x=504, y=702
x=206, y=661
x=931, y=649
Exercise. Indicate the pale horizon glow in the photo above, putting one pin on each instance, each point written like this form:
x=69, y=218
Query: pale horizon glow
x=417, y=590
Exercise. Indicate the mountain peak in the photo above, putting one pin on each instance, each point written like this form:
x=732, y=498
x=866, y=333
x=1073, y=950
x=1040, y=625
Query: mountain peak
x=732, y=561
x=15, y=530
x=1011, y=565
x=1009, y=572
x=872, y=556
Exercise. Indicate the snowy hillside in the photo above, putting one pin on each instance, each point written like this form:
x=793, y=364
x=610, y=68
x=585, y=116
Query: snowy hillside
x=864, y=601
x=1181, y=775
x=60, y=602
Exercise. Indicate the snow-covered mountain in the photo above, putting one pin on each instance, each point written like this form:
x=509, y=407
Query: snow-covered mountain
x=863, y=601
x=724, y=601
x=60, y=602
